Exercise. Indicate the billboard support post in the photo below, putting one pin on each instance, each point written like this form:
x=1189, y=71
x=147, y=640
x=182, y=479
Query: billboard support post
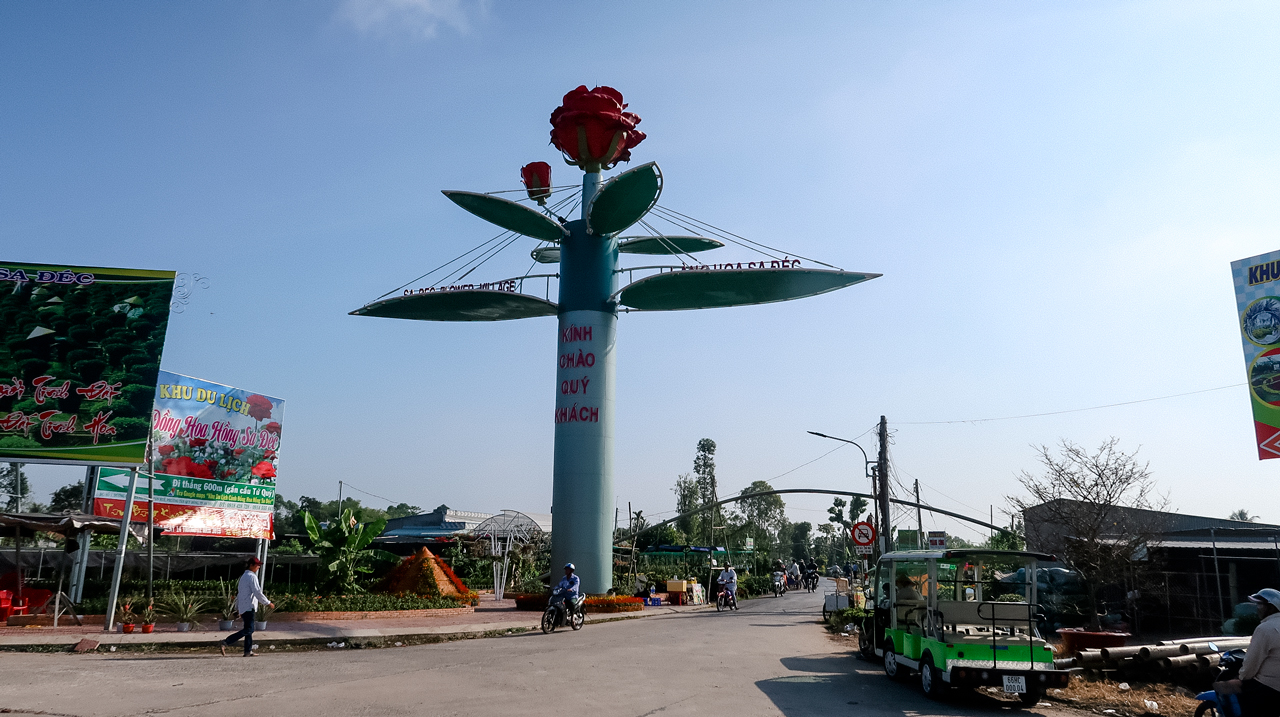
x=151, y=535
x=110, y=622
x=85, y=538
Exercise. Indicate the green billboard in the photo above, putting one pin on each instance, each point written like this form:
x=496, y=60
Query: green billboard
x=79, y=359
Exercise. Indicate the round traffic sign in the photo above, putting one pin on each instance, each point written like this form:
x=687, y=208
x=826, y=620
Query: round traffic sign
x=863, y=533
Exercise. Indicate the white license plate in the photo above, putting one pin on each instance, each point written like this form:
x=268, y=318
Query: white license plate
x=1015, y=684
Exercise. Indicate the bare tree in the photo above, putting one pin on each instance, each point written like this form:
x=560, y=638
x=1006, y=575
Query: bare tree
x=1097, y=511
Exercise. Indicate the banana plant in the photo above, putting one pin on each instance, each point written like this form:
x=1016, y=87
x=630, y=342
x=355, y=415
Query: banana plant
x=343, y=550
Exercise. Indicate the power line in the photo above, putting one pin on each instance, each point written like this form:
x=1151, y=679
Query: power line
x=1070, y=410
x=375, y=495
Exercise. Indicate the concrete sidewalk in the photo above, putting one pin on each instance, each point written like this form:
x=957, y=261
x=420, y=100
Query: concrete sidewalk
x=490, y=618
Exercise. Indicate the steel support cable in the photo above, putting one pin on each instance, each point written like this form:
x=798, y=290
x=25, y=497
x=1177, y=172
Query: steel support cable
x=712, y=226
x=699, y=231
x=447, y=263
x=668, y=244
x=497, y=250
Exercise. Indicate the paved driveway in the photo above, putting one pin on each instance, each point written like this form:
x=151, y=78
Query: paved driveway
x=770, y=658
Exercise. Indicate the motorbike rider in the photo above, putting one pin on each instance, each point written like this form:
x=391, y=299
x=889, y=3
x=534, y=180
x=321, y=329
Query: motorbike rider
x=568, y=587
x=793, y=574
x=811, y=570
x=1260, y=673
x=729, y=581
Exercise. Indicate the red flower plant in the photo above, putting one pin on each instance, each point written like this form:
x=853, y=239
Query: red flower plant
x=537, y=181
x=269, y=454
x=592, y=129
x=197, y=442
x=238, y=451
x=212, y=465
x=272, y=427
x=264, y=469
x=165, y=451
x=259, y=407
x=184, y=466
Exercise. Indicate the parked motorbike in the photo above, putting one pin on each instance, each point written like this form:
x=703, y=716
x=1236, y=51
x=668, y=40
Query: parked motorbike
x=1222, y=700
x=725, y=599
x=558, y=613
x=779, y=584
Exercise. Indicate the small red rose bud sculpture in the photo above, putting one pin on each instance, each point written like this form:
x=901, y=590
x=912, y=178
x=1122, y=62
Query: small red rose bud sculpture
x=537, y=181
x=592, y=129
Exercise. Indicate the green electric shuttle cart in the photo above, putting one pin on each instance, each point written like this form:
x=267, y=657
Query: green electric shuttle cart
x=934, y=616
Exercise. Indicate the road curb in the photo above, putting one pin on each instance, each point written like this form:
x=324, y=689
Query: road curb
x=353, y=637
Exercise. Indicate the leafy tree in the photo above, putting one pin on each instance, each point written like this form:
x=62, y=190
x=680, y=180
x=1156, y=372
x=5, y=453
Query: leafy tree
x=343, y=550
x=1243, y=516
x=763, y=516
x=403, y=510
x=68, y=498
x=796, y=539
x=687, y=499
x=13, y=480
x=666, y=535
x=1080, y=502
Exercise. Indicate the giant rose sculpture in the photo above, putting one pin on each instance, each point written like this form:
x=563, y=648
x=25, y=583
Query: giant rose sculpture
x=592, y=129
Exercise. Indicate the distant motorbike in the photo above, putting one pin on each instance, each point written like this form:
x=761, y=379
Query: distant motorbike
x=1222, y=704
x=725, y=599
x=779, y=584
x=811, y=580
x=558, y=613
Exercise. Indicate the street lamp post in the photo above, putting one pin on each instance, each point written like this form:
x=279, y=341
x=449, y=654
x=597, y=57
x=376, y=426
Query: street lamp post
x=866, y=466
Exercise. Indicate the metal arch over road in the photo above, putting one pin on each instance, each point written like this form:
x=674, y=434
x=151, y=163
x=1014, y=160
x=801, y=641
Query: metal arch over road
x=822, y=491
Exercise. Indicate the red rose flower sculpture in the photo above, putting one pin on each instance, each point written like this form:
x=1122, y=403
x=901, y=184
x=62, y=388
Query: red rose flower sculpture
x=537, y=181
x=259, y=407
x=264, y=469
x=592, y=129
x=184, y=466
x=272, y=427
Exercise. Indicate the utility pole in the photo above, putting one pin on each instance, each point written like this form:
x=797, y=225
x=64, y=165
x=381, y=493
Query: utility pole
x=919, y=520
x=882, y=475
x=339, y=518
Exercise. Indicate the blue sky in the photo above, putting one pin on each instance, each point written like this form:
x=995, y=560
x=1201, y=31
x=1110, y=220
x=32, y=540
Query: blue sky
x=1053, y=192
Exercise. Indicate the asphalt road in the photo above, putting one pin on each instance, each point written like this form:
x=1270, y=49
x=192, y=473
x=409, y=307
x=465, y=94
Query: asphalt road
x=770, y=658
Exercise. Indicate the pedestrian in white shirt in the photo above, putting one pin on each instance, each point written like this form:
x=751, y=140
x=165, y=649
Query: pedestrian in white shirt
x=1261, y=670
x=248, y=596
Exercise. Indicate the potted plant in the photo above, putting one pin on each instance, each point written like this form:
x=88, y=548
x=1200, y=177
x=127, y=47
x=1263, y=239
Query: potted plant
x=263, y=614
x=227, y=618
x=149, y=619
x=124, y=614
x=184, y=609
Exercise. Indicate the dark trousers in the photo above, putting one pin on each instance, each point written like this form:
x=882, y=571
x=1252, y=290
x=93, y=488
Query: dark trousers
x=246, y=633
x=1259, y=700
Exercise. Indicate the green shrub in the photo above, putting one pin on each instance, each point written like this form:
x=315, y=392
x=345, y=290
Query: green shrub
x=846, y=616
x=1010, y=597
x=754, y=585
x=366, y=602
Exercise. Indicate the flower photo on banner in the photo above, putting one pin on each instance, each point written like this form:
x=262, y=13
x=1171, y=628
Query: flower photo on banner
x=201, y=429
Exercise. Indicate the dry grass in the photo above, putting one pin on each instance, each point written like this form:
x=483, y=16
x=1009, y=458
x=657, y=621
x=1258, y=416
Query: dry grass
x=1100, y=695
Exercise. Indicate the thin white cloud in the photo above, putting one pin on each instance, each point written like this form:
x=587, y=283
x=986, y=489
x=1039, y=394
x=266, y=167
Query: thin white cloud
x=420, y=18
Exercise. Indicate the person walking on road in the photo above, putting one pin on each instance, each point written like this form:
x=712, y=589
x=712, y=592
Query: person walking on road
x=248, y=596
x=1261, y=670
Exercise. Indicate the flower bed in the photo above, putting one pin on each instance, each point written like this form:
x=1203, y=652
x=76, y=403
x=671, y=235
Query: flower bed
x=537, y=602
x=614, y=603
